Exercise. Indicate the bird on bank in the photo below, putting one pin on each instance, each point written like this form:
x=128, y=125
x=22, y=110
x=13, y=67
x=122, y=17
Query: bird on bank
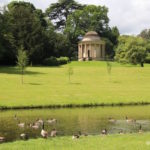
x=44, y=133
x=140, y=129
x=121, y=132
x=24, y=136
x=53, y=133
x=75, y=136
x=2, y=139
x=104, y=132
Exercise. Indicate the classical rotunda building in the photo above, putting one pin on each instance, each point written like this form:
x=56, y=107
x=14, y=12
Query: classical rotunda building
x=91, y=47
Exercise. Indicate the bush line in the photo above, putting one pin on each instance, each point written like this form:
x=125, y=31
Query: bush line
x=74, y=105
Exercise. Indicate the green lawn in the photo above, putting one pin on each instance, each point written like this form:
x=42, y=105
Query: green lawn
x=90, y=83
x=109, y=142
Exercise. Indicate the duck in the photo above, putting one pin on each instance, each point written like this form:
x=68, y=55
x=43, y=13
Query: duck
x=24, y=136
x=104, y=132
x=111, y=120
x=129, y=120
x=2, y=139
x=53, y=133
x=44, y=133
x=51, y=121
x=140, y=129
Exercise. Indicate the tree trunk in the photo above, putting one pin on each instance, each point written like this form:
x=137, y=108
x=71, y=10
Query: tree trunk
x=142, y=64
x=22, y=76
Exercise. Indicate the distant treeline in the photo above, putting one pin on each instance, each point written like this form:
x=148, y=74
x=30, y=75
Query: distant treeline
x=54, y=32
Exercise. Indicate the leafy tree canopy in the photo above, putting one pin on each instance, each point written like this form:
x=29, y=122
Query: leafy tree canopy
x=131, y=50
x=94, y=18
x=145, y=34
x=27, y=26
x=58, y=12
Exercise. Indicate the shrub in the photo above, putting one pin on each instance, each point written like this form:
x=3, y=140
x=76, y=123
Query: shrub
x=53, y=61
x=62, y=60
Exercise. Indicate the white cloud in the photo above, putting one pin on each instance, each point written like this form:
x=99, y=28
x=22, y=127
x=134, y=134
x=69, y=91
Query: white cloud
x=130, y=16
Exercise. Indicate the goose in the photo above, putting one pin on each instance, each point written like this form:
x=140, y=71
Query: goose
x=53, y=133
x=15, y=117
x=111, y=120
x=21, y=125
x=51, y=121
x=140, y=129
x=2, y=139
x=43, y=132
x=128, y=120
x=40, y=121
x=121, y=132
x=24, y=136
x=34, y=126
x=104, y=132
x=75, y=136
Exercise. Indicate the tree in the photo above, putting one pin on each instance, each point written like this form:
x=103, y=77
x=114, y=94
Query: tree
x=58, y=12
x=7, y=51
x=131, y=50
x=90, y=17
x=94, y=18
x=22, y=61
x=145, y=34
x=27, y=27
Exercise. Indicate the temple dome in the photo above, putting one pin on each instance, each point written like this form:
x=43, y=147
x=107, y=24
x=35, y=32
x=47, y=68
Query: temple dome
x=91, y=36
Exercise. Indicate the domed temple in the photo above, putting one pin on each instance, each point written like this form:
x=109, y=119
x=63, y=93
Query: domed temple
x=91, y=47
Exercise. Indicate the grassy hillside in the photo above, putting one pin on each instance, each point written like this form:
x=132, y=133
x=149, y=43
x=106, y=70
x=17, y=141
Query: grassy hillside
x=90, y=83
x=110, y=142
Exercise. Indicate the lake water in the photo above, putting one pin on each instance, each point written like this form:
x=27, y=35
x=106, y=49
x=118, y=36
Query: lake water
x=70, y=121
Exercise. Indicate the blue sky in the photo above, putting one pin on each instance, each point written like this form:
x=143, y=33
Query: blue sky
x=130, y=16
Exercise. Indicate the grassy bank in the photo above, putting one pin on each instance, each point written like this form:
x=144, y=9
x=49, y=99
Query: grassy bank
x=90, y=84
x=110, y=142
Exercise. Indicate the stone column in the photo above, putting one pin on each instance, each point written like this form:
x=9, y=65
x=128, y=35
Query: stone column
x=90, y=46
x=103, y=50
x=78, y=51
x=95, y=54
x=85, y=50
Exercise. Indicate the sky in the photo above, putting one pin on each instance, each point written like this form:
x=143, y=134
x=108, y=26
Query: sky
x=130, y=16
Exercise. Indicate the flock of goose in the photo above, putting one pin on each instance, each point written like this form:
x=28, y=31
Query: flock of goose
x=39, y=123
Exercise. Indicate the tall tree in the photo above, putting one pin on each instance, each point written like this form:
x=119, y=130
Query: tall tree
x=145, y=34
x=27, y=26
x=58, y=12
x=131, y=50
x=7, y=52
x=95, y=18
